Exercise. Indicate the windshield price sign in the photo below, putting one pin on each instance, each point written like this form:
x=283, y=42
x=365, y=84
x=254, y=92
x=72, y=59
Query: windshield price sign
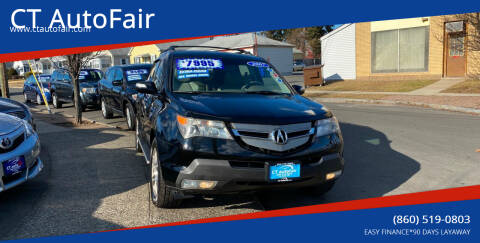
x=199, y=63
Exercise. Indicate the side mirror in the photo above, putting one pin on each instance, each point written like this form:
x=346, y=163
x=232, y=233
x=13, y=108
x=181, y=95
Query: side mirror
x=117, y=82
x=300, y=90
x=146, y=87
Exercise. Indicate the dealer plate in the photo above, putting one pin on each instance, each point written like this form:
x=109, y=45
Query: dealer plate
x=14, y=166
x=284, y=171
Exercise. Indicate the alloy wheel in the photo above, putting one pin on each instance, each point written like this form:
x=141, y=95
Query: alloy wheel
x=129, y=117
x=104, y=109
x=154, y=175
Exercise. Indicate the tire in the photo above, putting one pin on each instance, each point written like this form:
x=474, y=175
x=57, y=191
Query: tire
x=320, y=189
x=83, y=107
x=161, y=195
x=138, y=148
x=106, y=111
x=56, y=103
x=39, y=99
x=25, y=97
x=130, y=117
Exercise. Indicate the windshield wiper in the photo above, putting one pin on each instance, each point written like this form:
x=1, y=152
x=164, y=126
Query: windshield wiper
x=264, y=92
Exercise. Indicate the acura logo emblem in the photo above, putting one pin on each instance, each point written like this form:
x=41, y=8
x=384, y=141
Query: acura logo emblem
x=6, y=143
x=279, y=136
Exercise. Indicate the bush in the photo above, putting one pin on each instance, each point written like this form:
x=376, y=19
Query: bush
x=11, y=72
x=27, y=74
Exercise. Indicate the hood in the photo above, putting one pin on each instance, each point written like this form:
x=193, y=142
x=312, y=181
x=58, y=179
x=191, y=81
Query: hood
x=252, y=108
x=7, y=105
x=8, y=123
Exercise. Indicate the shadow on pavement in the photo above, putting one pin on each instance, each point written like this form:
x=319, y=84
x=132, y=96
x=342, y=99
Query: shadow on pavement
x=372, y=169
x=80, y=172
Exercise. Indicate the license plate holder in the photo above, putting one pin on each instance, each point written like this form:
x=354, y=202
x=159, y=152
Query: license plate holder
x=14, y=166
x=280, y=172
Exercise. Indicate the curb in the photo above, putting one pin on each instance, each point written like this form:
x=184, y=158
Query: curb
x=83, y=118
x=391, y=102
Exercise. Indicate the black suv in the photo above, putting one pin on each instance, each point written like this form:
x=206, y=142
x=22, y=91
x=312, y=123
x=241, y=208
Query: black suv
x=62, y=87
x=216, y=122
x=117, y=90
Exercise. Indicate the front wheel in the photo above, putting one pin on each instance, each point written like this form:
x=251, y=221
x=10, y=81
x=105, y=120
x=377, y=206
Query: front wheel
x=138, y=148
x=25, y=97
x=106, y=112
x=130, y=117
x=56, y=103
x=161, y=195
x=39, y=99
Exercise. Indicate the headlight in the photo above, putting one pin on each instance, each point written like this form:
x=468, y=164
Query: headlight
x=28, y=128
x=45, y=90
x=134, y=96
x=327, y=126
x=190, y=127
x=88, y=90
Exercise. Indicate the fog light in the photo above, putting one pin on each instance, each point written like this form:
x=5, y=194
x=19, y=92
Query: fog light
x=198, y=184
x=333, y=175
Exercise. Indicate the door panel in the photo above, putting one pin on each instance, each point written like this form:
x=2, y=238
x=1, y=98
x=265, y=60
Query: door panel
x=455, y=56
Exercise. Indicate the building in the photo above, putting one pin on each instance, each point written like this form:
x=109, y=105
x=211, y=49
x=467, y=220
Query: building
x=403, y=49
x=149, y=53
x=280, y=54
x=43, y=66
x=110, y=58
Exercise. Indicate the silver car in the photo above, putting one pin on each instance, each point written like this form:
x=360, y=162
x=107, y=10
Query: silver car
x=19, y=152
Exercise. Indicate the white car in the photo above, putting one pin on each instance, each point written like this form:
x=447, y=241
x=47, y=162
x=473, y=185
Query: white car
x=19, y=152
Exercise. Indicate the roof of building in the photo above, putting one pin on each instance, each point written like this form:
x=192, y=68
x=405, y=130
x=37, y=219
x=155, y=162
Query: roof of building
x=120, y=52
x=244, y=41
x=333, y=32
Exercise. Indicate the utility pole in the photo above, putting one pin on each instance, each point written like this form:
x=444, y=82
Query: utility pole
x=4, y=81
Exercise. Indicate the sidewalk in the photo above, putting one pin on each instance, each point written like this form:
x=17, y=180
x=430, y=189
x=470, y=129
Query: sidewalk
x=429, y=96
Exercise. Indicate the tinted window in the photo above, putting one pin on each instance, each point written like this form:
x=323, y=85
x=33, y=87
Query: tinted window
x=136, y=73
x=227, y=75
x=89, y=75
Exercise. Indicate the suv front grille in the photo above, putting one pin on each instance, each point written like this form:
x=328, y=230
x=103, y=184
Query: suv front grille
x=263, y=136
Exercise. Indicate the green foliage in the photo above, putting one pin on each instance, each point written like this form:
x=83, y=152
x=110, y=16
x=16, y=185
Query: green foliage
x=11, y=72
x=280, y=35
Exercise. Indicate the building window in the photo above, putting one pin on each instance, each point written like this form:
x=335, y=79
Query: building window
x=400, y=50
x=137, y=59
x=124, y=61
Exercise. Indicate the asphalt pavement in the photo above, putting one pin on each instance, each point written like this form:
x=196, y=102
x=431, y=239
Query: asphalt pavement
x=93, y=179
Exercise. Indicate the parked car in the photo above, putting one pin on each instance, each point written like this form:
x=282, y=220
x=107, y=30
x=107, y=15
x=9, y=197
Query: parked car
x=31, y=91
x=117, y=90
x=62, y=88
x=17, y=109
x=216, y=122
x=298, y=65
x=19, y=152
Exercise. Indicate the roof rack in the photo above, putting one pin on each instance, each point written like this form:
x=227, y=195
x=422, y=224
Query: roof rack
x=172, y=48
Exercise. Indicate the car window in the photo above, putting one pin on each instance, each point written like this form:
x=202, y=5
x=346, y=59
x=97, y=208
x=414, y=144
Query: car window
x=137, y=73
x=118, y=75
x=90, y=75
x=110, y=75
x=227, y=75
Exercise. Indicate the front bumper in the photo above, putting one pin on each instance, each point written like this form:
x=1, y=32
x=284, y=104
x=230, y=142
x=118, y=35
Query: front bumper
x=237, y=176
x=30, y=149
x=90, y=99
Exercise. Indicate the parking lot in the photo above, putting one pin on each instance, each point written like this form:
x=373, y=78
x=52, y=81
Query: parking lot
x=93, y=180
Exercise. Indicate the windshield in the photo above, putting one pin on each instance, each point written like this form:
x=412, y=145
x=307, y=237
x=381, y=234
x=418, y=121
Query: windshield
x=44, y=78
x=217, y=75
x=136, y=74
x=90, y=76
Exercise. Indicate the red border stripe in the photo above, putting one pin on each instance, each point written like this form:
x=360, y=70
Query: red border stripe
x=437, y=196
x=10, y=57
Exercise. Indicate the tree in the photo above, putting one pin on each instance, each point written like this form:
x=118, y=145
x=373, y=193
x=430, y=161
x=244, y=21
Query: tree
x=313, y=35
x=3, y=81
x=73, y=64
x=280, y=35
